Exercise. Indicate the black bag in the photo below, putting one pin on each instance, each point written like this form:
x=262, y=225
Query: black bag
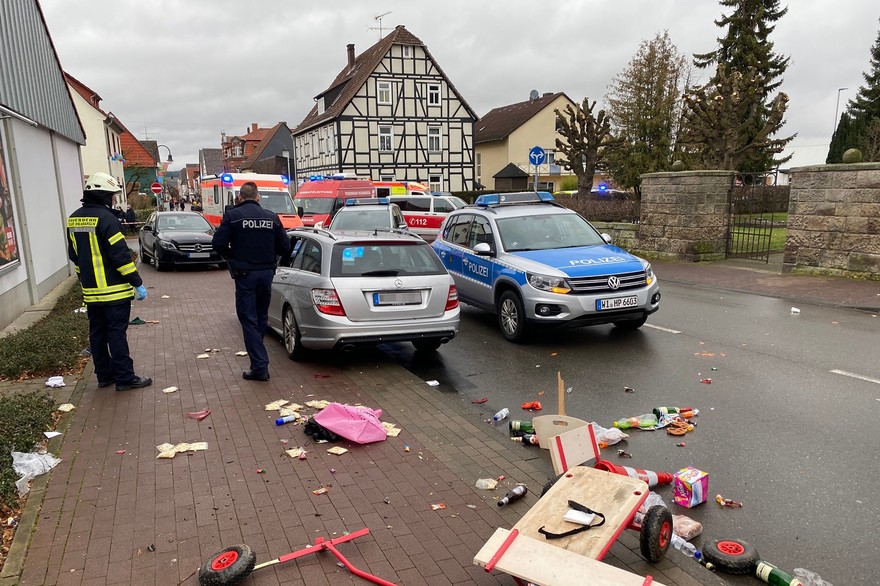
x=317, y=432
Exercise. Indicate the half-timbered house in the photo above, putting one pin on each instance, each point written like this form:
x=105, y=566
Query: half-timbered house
x=390, y=114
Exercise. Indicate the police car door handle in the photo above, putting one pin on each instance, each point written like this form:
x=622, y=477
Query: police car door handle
x=282, y=276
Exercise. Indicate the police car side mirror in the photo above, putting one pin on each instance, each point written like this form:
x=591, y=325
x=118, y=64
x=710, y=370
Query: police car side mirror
x=606, y=238
x=483, y=249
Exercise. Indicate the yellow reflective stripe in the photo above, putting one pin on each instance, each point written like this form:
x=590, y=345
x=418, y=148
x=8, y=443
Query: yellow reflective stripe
x=116, y=238
x=97, y=262
x=109, y=289
x=73, y=242
x=113, y=297
x=127, y=269
x=76, y=268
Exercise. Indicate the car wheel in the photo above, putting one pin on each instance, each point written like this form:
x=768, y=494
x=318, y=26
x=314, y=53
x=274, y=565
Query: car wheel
x=157, y=264
x=291, y=336
x=427, y=345
x=512, y=317
x=631, y=325
x=221, y=265
x=144, y=256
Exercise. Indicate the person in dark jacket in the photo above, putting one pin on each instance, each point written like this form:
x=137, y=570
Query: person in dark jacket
x=130, y=219
x=250, y=238
x=109, y=280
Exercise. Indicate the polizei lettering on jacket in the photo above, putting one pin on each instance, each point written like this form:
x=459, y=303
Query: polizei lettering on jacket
x=258, y=224
x=602, y=260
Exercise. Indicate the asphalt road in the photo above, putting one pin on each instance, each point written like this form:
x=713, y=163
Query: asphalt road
x=788, y=424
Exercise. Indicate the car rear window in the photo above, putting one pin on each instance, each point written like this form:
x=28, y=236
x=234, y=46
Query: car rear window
x=376, y=258
x=361, y=220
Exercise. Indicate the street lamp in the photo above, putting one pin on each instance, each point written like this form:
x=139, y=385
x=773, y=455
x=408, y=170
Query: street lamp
x=170, y=160
x=286, y=154
x=836, y=108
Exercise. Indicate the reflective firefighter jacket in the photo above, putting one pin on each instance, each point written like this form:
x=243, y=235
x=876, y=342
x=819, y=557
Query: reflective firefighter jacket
x=103, y=261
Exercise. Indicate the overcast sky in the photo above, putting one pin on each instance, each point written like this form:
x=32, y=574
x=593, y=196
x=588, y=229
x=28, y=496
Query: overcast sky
x=182, y=72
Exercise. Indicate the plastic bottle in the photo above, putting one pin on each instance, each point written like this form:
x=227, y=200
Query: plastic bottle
x=286, y=419
x=517, y=493
x=646, y=420
x=684, y=546
x=501, y=415
x=517, y=425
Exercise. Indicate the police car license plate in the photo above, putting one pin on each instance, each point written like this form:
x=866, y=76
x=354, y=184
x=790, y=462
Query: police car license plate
x=616, y=303
x=397, y=298
x=199, y=254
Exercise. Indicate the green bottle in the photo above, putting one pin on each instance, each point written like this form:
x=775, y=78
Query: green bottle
x=774, y=576
x=518, y=425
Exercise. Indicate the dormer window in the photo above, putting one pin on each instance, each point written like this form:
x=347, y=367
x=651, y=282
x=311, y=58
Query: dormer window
x=383, y=92
x=321, y=105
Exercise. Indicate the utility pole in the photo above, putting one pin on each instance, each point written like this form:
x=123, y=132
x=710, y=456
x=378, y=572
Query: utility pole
x=379, y=28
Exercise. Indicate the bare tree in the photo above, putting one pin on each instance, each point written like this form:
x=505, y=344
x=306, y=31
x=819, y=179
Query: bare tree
x=585, y=139
x=869, y=141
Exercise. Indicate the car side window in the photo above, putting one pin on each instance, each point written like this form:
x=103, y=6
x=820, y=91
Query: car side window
x=459, y=232
x=310, y=258
x=416, y=204
x=442, y=206
x=287, y=259
x=481, y=231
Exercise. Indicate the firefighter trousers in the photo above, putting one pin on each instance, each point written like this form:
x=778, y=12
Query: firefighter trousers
x=108, y=325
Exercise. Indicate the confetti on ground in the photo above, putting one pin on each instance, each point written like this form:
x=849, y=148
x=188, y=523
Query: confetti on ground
x=438, y=507
x=203, y=356
x=317, y=404
x=295, y=452
x=319, y=491
x=276, y=405
x=66, y=407
x=241, y=353
x=336, y=450
x=170, y=390
x=120, y=452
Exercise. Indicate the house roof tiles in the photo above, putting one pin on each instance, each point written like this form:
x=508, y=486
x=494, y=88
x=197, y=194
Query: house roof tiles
x=499, y=123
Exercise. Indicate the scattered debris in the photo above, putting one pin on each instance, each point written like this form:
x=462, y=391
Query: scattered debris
x=137, y=321
x=295, y=452
x=553, y=354
x=169, y=450
x=203, y=356
x=294, y=417
x=706, y=381
x=51, y=434
x=212, y=349
x=540, y=393
x=628, y=390
x=486, y=483
x=319, y=404
x=120, y=452
x=624, y=454
x=472, y=506
x=261, y=470
x=568, y=390
x=727, y=502
x=80, y=310
x=170, y=390
x=337, y=450
x=199, y=415
x=386, y=500
x=319, y=375
x=480, y=401
x=152, y=321
x=319, y=491
x=241, y=353
x=438, y=507
x=55, y=382
x=432, y=383
x=166, y=297
x=795, y=310
x=532, y=406
x=333, y=471
x=29, y=466
x=151, y=548
x=391, y=429
x=406, y=448
x=276, y=405
x=681, y=444
x=691, y=487
x=66, y=407
x=500, y=478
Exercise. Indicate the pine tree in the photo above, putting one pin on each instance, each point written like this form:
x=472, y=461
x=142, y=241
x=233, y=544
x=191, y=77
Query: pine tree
x=845, y=137
x=867, y=102
x=586, y=138
x=644, y=105
x=747, y=45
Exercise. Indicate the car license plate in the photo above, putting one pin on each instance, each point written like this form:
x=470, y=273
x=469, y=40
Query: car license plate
x=616, y=303
x=397, y=298
x=199, y=254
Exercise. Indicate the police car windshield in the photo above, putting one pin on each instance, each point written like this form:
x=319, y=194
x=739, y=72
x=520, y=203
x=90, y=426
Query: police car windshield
x=181, y=222
x=314, y=205
x=543, y=232
x=354, y=219
x=278, y=202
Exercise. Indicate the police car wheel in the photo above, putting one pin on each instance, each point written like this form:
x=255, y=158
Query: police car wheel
x=291, y=336
x=429, y=345
x=511, y=317
x=630, y=325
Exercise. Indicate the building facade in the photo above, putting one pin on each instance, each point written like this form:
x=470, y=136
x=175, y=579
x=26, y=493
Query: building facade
x=390, y=114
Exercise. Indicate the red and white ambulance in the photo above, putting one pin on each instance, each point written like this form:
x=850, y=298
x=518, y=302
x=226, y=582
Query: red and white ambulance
x=320, y=197
x=220, y=191
x=425, y=213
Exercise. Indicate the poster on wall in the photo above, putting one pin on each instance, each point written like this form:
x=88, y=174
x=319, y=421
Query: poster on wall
x=8, y=249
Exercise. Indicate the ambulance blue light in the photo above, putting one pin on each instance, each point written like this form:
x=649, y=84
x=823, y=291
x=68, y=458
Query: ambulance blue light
x=285, y=180
x=226, y=178
x=603, y=187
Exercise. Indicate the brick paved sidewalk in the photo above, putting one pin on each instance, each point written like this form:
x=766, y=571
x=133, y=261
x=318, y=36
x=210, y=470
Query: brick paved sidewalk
x=103, y=511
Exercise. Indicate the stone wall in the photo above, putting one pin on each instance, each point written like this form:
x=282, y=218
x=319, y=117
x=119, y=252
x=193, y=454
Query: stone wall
x=834, y=221
x=623, y=234
x=684, y=215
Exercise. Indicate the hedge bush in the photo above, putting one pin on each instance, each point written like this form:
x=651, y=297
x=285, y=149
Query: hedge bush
x=25, y=417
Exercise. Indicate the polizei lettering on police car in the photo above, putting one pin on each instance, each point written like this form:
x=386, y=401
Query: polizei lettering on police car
x=480, y=270
x=258, y=224
x=602, y=260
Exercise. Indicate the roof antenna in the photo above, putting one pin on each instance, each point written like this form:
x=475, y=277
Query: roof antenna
x=379, y=28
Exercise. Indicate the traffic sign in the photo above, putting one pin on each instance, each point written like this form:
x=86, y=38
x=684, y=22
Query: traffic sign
x=156, y=188
x=537, y=155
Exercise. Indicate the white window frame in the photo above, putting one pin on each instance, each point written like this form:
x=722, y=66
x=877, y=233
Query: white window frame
x=407, y=50
x=386, y=133
x=383, y=87
x=321, y=105
x=434, y=136
x=321, y=145
x=433, y=94
x=479, y=167
x=435, y=182
x=314, y=146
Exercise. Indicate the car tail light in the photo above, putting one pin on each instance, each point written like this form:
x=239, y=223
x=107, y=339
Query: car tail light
x=327, y=301
x=451, y=298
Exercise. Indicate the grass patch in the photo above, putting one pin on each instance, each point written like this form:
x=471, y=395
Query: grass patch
x=52, y=346
x=25, y=417
x=756, y=237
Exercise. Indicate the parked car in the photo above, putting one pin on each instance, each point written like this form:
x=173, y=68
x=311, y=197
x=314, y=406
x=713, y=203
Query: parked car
x=345, y=289
x=168, y=239
x=533, y=262
x=368, y=214
x=425, y=213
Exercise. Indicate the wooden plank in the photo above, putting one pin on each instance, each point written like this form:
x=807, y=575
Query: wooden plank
x=615, y=496
x=574, y=448
x=549, y=426
x=543, y=564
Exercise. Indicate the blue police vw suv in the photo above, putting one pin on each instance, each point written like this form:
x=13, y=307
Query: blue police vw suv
x=532, y=261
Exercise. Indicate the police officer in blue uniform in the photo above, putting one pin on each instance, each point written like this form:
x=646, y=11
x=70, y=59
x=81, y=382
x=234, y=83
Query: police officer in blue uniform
x=250, y=238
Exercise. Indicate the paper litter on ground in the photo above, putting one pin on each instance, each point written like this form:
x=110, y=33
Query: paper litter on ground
x=391, y=430
x=203, y=356
x=151, y=321
x=317, y=404
x=294, y=452
x=55, y=382
x=276, y=405
x=166, y=297
x=241, y=353
x=433, y=383
x=51, y=434
x=212, y=349
x=170, y=390
x=167, y=450
x=288, y=411
x=336, y=450
x=66, y=407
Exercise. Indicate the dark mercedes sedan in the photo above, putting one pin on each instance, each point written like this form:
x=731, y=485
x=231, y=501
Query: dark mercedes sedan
x=177, y=238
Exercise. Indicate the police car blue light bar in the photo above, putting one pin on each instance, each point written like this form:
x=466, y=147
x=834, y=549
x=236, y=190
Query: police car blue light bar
x=367, y=201
x=491, y=199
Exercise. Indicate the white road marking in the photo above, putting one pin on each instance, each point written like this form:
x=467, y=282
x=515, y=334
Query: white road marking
x=858, y=376
x=662, y=329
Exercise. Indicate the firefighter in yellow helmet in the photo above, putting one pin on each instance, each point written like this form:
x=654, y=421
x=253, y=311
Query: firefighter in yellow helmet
x=109, y=280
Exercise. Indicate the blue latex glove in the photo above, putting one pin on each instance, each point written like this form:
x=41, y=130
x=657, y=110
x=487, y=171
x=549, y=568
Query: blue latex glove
x=140, y=293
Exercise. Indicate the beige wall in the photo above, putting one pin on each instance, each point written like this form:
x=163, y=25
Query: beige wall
x=96, y=153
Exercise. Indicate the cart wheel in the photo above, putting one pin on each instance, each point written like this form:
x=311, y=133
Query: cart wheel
x=656, y=533
x=731, y=556
x=228, y=567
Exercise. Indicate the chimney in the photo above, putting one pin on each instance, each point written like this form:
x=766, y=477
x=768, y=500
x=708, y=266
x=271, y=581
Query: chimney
x=254, y=126
x=350, y=48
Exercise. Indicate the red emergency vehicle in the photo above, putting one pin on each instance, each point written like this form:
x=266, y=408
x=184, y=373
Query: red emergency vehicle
x=220, y=191
x=320, y=197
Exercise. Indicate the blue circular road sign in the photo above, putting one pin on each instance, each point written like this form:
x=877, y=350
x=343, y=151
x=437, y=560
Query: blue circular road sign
x=537, y=155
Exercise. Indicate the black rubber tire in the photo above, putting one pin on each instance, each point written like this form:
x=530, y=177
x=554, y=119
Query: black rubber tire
x=157, y=264
x=427, y=345
x=656, y=534
x=291, y=337
x=512, y=317
x=145, y=258
x=221, y=265
x=228, y=572
x=731, y=556
x=630, y=325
